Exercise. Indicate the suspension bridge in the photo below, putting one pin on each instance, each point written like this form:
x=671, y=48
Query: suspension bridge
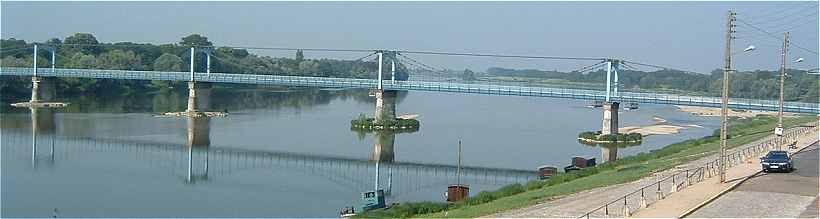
x=610, y=92
x=409, y=85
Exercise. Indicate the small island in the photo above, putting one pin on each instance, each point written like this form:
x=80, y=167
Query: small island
x=364, y=123
x=597, y=137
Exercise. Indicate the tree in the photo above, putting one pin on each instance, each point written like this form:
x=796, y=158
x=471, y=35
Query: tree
x=11, y=61
x=86, y=43
x=82, y=61
x=468, y=75
x=310, y=68
x=14, y=47
x=168, y=62
x=54, y=41
x=120, y=60
x=300, y=56
x=195, y=40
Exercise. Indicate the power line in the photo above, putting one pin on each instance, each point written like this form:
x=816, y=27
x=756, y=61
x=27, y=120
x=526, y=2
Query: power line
x=588, y=67
x=775, y=37
x=368, y=55
x=659, y=67
x=781, y=11
x=787, y=16
x=500, y=56
x=18, y=48
x=296, y=49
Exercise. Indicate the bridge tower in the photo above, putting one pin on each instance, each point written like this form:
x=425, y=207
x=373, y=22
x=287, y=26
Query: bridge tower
x=43, y=89
x=611, y=107
x=199, y=92
x=385, y=99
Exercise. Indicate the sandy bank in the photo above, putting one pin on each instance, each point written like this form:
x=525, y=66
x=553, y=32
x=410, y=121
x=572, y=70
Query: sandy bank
x=708, y=111
x=657, y=129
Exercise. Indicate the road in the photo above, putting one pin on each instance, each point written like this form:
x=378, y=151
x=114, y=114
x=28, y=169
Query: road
x=770, y=195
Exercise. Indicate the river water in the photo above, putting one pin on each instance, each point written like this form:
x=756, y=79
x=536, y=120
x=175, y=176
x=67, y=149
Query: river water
x=286, y=152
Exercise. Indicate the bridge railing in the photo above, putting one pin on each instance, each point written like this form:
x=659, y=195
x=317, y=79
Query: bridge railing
x=642, y=197
x=496, y=89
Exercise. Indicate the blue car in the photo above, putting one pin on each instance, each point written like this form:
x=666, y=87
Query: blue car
x=777, y=161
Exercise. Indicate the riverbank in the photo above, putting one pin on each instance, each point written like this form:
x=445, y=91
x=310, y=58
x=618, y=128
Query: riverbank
x=625, y=170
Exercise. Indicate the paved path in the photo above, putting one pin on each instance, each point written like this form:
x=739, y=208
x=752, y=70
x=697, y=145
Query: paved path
x=773, y=194
x=678, y=203
x=579, y=203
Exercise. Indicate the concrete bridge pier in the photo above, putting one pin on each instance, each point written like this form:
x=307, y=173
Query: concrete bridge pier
x=385, y=105
x=199, y=97
x=42, y=89
x=610, y=121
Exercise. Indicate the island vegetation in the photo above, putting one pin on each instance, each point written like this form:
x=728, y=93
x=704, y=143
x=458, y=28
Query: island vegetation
x=597, y=137
x=364, y=123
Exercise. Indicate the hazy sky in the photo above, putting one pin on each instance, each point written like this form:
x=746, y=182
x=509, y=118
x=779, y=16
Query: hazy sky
x=685, y=35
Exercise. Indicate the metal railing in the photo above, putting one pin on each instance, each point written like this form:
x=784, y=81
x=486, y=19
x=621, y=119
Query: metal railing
x=642, y=197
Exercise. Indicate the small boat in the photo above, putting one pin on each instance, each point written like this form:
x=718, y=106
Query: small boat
x=370, y=200
x=347, y=212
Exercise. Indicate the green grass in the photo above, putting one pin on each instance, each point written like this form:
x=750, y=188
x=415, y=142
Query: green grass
x=627, y=169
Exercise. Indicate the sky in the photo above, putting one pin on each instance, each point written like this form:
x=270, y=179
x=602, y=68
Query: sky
x=682, y=35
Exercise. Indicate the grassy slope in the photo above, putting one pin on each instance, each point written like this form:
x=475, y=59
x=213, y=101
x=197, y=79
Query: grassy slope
x=629, y=169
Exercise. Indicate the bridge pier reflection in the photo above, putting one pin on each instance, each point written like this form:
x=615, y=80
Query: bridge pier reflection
x=42, y=124
x=383, y=152
x=609, y=153
x=199, y=142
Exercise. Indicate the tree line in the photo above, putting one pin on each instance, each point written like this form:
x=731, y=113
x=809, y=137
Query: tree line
x=84, y=51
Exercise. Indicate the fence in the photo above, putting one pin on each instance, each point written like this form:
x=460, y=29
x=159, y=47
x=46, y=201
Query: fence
x=679, y=180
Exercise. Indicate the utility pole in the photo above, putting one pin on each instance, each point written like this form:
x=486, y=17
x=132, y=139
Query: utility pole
x=727, y=68
x=779, y=130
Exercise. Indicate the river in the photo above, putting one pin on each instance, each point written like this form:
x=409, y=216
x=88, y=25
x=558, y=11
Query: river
x=286, y=152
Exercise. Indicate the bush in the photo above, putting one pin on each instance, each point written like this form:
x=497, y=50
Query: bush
x=406, y=210
x=482, y=197
x=509, y=190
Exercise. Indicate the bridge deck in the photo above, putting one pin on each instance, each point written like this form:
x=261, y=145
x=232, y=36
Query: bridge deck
x=514, y=90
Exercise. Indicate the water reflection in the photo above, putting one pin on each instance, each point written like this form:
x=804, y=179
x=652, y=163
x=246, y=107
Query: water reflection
x=42, y=123
x=222, y=98
x=199, y=143
x=609, y=151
